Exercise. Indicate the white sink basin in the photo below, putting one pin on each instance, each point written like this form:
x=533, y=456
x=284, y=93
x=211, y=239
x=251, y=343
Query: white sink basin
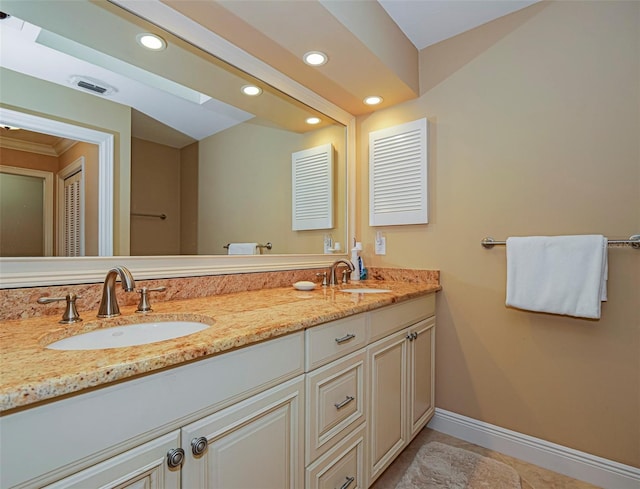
x=129, y=335
x=365, y=291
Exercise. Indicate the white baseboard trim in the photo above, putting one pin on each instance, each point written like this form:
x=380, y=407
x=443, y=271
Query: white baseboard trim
x=573, y=463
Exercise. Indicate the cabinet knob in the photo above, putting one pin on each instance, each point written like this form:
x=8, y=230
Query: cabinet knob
x=175, y=457
x=199, y=445
x=347, y=483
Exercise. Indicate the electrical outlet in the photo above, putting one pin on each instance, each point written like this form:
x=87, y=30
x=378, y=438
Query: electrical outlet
x=381, y=246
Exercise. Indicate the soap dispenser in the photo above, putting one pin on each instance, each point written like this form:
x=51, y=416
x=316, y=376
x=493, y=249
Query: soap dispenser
x=355, y=260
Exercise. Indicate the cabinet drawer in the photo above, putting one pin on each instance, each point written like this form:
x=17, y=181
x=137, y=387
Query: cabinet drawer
x=342, y=467
x=335, y=339
x=336, y=404
x=393, y=318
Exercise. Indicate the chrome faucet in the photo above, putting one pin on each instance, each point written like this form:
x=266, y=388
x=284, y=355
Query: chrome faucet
x=109, y=303
x=333, y=279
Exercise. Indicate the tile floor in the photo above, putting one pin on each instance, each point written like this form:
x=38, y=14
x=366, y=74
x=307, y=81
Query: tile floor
x=531, y=476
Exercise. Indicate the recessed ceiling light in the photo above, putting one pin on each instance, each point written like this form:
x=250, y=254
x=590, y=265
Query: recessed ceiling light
x=373, y=100
x=315, y=58
x=151, y=41
x=251, y=90
x=313, y=120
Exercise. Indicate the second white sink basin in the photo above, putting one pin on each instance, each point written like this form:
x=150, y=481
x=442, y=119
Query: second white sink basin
x=129, y=335
x=365, y=291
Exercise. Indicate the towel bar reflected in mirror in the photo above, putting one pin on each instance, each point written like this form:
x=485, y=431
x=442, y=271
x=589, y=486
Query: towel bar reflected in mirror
x=267, y=246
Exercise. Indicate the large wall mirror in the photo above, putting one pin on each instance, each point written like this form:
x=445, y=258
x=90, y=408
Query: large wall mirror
x=174, y=160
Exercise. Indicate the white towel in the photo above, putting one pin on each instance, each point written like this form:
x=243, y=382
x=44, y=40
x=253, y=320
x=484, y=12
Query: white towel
x=243, y=248
x=557, y=274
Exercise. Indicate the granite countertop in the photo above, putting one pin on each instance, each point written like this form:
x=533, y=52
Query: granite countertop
x=31, y=373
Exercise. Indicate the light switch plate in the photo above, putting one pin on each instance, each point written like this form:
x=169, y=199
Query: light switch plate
x=381, y=246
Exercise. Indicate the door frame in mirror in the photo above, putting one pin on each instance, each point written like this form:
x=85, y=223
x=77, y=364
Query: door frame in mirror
x=103, y=140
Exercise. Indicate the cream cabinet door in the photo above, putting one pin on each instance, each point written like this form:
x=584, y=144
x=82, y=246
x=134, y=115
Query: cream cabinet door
x=421, y=374
x=144, y=467
x=401, y=391
x=255, y=444
x=388, y=400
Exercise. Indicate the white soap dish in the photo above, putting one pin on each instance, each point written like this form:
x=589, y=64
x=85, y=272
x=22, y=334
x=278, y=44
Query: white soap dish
x=304, y=285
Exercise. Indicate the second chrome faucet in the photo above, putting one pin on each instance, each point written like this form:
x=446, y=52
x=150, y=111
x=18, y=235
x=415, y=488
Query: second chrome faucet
x=333, y=276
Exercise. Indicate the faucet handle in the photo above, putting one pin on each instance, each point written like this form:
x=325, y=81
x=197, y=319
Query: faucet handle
x=324, y=278
x=70, y=314
x=144, y=305
x=346, y=273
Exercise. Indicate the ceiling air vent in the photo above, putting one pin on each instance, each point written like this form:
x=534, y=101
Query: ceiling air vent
x=92, y=85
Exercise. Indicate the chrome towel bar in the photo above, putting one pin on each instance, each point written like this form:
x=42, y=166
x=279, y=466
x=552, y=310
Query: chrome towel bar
x=142, y=214
x=633, y=241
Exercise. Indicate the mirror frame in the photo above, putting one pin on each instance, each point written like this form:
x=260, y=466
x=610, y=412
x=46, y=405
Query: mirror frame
x=30, y=272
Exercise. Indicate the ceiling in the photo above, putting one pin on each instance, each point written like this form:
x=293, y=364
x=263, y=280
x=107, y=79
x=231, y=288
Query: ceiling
x=373, y=48
x=171, y=95
x=426, y=22
x=34, y=142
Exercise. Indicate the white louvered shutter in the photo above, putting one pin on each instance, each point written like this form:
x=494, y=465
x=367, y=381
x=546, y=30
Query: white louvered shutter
x=73, y=215
x=398, y=175
x=312, y=188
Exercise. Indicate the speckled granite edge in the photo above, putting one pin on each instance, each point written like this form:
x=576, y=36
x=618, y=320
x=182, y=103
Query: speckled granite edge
x=21, y=303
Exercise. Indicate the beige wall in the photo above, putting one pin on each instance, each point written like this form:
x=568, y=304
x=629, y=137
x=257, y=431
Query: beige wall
x=26, y=159
x=189, y=199
x=535, y=124
x=245, y=188
x=155, y=189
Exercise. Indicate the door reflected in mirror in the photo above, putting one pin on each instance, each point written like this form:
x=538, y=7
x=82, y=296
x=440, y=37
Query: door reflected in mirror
x=25, y=217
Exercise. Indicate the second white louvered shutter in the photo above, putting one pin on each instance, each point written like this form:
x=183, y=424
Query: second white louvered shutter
x=312, y=188
x=398, y=175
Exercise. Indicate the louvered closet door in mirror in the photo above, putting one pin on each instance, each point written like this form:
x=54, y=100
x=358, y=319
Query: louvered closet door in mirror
x=71, y=227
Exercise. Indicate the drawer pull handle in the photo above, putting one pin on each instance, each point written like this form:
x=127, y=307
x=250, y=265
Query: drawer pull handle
x=347, y=483
x=340, y=405
x=346, y=337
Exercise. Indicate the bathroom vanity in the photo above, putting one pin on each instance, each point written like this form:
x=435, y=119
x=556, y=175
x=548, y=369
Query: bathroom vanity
x=287, y=389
